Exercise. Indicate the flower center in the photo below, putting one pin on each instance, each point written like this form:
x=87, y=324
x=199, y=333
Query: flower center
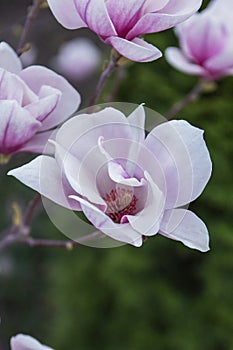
x=120, y=202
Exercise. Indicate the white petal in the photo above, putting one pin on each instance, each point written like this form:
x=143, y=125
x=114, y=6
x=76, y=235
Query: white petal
x=9, y=59
x=26, y=342
x=43, y=175
x=183, y=225
x=182, y=153
x=120, y=232
x=147, y=221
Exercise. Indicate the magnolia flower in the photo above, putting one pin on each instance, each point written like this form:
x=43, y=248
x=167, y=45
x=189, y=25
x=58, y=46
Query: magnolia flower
x=128, y=186
x=206, y=43
x=32, y=101
x=26, y=342
x=121, y=23
x=77, y=59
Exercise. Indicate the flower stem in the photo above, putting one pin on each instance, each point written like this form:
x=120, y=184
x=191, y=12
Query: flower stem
x=31, y=16
x=112, y=65
x=192, y=96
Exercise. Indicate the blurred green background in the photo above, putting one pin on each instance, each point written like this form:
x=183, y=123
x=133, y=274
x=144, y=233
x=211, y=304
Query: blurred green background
x=162, y=296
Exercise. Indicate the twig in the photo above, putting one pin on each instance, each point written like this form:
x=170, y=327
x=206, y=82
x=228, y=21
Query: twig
x=189, y=98
x=30, y=210
x=32, y=14
x=14, y=238
x=112, y=65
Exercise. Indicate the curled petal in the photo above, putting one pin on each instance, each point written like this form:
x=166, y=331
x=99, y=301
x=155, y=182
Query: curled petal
x=17, y=126
x=44, y=106
x=120, y=232
x=136, y=50
x=36, y=77
x=184, y=226
x=147, y=221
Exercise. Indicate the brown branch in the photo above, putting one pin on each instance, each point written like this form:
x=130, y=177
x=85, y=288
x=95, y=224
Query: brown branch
x=14, y=238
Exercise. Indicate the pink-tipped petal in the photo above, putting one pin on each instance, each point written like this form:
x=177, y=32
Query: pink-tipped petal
x=184, y=226
x=8, y=59
x=95, y=15
x=17, y=126
x=37, y=143
x=124, y=14
x=43, y=175
x=136, y=50
x=37, y=76
x=169, y=16
x=67, y=16
x=178, y=60
x=43, y=108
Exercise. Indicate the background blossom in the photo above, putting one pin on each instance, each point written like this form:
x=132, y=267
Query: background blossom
x=206, y=43
x=122, y=23
x=32, y=101
x=77, y=59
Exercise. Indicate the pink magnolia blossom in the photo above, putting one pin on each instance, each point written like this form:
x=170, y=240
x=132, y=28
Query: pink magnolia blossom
x=26, y=342
x=128, y=186
x=122, y=23
x=206, y=43
x=77, y=59
x=32, y=101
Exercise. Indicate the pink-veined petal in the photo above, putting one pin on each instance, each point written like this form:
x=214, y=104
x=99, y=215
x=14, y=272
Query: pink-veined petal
x=169, y=16
x=43, y=107
x=95, y=15
x=37, y=143
x=124, y=14
x=17, y=126
x=36, y=77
